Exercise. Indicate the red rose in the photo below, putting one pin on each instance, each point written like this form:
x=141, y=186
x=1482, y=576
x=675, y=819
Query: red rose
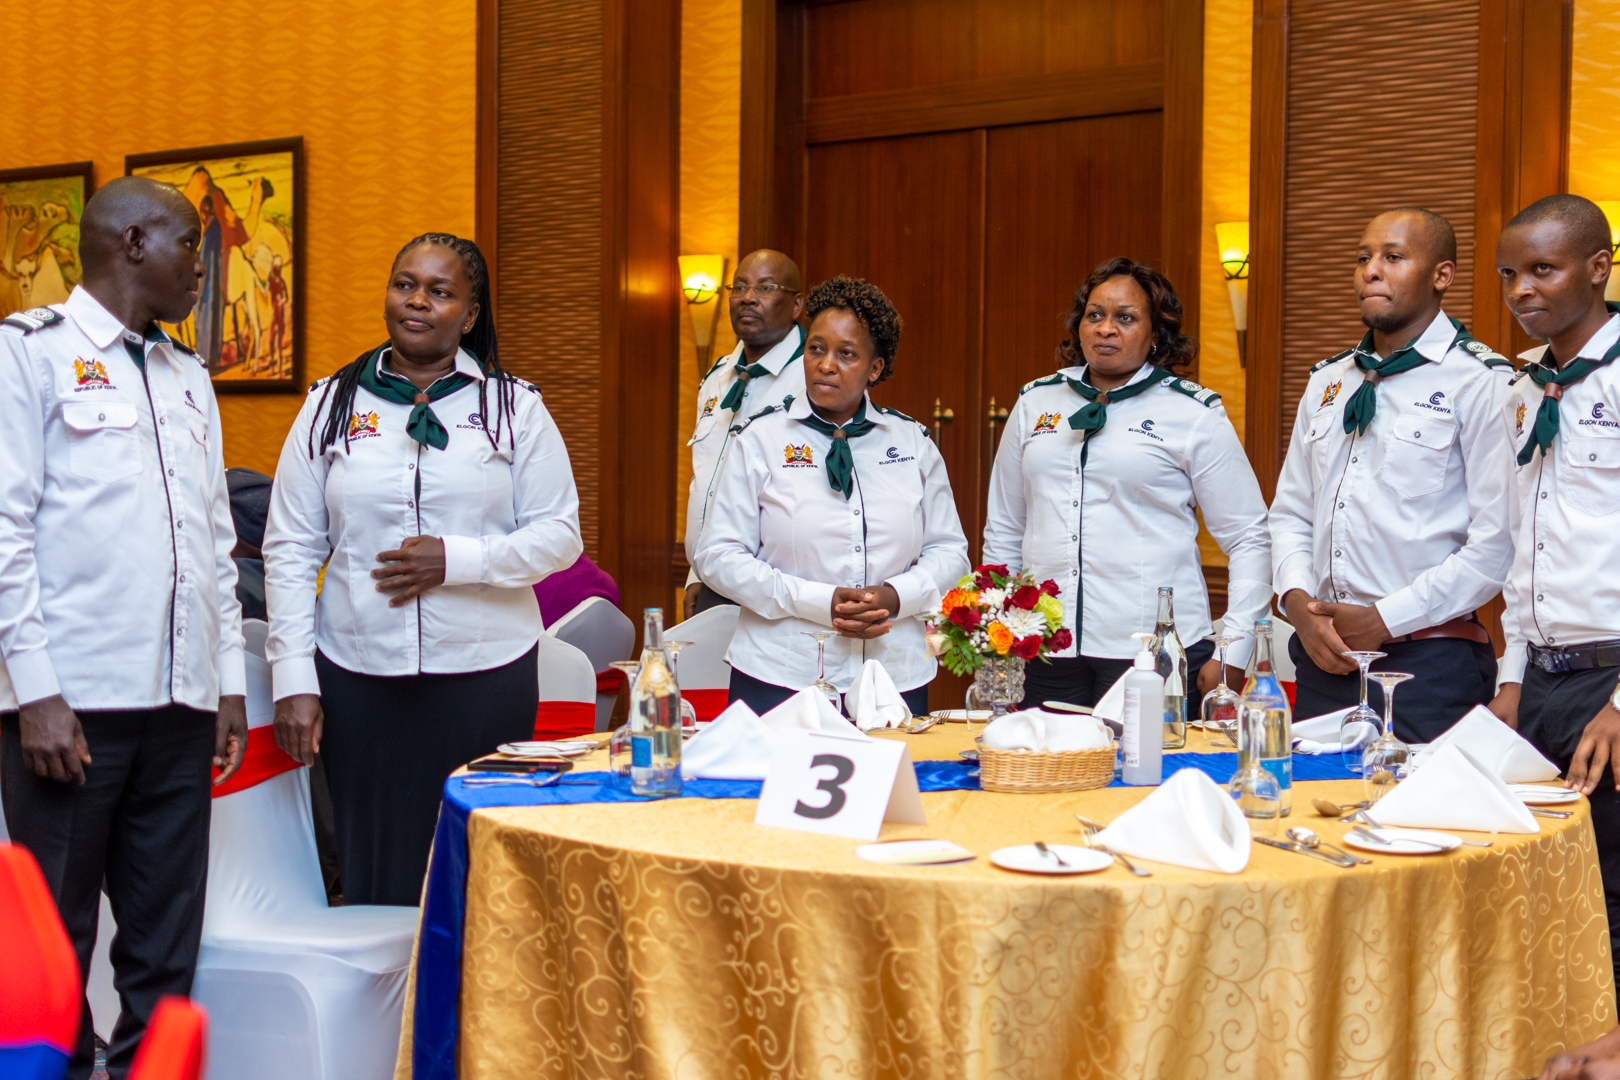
x=1029, y=648
x=982, y=576
x=966, y=617
x=1060, y=640
x=1049, y=587
x=1026, y=598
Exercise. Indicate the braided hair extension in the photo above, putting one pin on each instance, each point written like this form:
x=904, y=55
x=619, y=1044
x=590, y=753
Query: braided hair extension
x=480, y=341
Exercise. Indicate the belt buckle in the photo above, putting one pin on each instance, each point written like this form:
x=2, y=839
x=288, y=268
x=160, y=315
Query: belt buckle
x=1556, y=662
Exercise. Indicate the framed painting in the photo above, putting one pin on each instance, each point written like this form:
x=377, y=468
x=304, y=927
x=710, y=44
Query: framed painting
x=39, y=247
x=249, y=320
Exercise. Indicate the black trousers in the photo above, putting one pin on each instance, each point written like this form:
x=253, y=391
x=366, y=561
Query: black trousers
x=707, y=598
x=389, y=743
x=139, y=824
x=762, y=696
x=1553, y=713
x=1452, y=676
x=1083, y=680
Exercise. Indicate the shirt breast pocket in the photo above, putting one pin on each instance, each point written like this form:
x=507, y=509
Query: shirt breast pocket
x=101, y=440
x=705, y=427
x=1416, y=459
x=1591, y=484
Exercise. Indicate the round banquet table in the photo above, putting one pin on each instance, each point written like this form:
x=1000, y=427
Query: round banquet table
x=677, y=939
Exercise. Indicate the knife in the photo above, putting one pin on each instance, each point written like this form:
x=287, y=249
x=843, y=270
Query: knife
x=1324, y=856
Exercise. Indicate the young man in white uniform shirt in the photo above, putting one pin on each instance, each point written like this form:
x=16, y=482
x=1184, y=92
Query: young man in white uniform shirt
x=1394, y=512
x=123, y=678
x=765, y=302
x=1562, y=618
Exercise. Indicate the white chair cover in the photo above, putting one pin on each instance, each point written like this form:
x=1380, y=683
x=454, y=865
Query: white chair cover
x=565, y=672
x=604, y=634
x=295, y=990
x=702, y=665
x=1282, y=632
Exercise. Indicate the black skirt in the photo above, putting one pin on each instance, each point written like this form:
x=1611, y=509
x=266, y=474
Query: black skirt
x=388, y=744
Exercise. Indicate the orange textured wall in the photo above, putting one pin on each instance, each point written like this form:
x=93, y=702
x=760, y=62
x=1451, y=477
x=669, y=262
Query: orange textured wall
x=1594, y=106
x=383, y=94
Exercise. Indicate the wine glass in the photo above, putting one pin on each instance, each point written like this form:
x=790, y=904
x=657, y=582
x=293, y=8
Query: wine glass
x=1220, y=710
x=619, y=741
x=1383, y=762
x=827, y=689
x=1360, y=725
x=688, y=710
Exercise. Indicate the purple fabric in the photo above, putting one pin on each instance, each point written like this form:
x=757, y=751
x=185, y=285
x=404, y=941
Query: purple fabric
x=565, y=590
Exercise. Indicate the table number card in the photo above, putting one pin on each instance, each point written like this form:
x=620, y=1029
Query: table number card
x=841, y=786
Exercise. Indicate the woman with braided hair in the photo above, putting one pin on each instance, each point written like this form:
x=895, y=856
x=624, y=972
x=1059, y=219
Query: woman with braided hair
x=436, y=490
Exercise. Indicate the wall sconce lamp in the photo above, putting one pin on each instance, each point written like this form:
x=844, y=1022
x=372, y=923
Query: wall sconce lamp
x=1611, y=210
x=701, y=277
x=1232, y=237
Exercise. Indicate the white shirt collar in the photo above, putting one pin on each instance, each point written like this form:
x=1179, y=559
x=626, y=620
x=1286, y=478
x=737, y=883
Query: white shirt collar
x=801, y=409
x=1596, y=345
x=780, y=353
x=465, y=364
x=1436, y=341
x=101, y=326
x=1137, y=376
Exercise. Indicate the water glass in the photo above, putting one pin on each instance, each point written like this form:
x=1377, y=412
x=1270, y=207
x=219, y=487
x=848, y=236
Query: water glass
x=1360, y=726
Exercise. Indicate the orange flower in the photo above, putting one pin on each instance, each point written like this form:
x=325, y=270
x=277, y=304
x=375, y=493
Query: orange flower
x=958, y=598
x=1001, y=638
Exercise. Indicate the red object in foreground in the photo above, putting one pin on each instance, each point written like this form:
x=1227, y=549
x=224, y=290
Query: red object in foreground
x=563, y=719
x=261, y=760
x=174, y=1042
x=40, y=998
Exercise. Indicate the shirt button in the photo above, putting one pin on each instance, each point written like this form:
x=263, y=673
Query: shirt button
x=1074, y=504
x=1341, y=596
x=1540, y=546
x=409, y=505
x=171, y=472
x=1591, y=457
x=163, y=419
x=857, y=513
x=1417, y=434
x=1075, y=537
x=1543, y=494
x=1354, y=460
x=410, y=466
x=857, y=547
x=1074, y=573
x=179, y=524
x=1338, y=554
x=101, y=416
x=1341, y=506
x=1540, y=597
x=180, y=632
x=182, y=579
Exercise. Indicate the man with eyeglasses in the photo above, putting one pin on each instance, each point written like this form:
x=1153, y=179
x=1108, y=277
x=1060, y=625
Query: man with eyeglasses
x=766, y=300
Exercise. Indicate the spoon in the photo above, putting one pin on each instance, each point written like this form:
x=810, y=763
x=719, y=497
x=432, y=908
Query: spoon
x=1371, y=838
x=1328, y=809
x=1040, y=846
x=1364, y=816
x=1304, y=837
x=1088, y=832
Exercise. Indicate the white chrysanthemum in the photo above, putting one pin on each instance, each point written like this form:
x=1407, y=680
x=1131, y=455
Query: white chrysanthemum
x=1024, y=623
x=993, y=598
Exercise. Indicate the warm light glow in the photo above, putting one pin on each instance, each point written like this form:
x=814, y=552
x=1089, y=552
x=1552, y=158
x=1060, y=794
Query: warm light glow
x=1232, y=237
x=700, y=277
x=1611, y=210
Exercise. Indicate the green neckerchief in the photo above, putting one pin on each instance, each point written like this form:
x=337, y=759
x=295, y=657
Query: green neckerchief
x=137, y=353
x=746, y=371
x=1091, y=417
x=423, y=426
x=1358, y=412
x=840, y=462
x=1545, y=429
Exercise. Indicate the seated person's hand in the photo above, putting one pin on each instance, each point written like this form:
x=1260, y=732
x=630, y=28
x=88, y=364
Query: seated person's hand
x=864, y=613
x=1597, y=1060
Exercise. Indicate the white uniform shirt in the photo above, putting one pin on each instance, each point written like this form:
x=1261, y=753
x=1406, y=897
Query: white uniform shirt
x=117, y=587
x=711, y=435
x=1124, y=525
x=1416, y=516
x=780, y=540
x=1564, y=589
x=508, y=517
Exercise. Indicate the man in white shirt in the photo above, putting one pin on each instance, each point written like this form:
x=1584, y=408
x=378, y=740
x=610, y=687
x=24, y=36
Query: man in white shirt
x=120, y=630
x=1562, y=618
x=766, y=300
x=1394, y=513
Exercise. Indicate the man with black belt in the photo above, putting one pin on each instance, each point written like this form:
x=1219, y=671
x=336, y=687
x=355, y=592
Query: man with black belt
x=120, y=629
x=1394, y=514
x=766, y=300
x=1562, y=619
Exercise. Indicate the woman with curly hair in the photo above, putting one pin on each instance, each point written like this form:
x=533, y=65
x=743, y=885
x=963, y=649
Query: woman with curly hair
x=1099, y=481
x=833, y=514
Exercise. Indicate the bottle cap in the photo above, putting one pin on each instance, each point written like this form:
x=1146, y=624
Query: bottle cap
x=1144, y=658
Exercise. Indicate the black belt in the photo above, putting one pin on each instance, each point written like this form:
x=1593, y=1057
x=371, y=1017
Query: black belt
x=1597, y=654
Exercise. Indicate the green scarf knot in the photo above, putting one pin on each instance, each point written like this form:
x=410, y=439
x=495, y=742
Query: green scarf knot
x=1359, y=410
x=840, y=462
x=1545, y=429
x=1091, y=417
x=423, y=425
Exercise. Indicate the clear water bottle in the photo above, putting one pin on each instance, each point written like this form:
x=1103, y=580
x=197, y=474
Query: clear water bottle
x=1264, y=696
x=655, y=717
x=1170, y=660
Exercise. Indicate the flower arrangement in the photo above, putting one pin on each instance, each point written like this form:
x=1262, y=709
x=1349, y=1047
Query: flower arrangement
x=993, y=612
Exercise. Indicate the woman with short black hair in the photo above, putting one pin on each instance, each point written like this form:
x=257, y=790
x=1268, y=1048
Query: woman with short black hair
x=1099, y=481
x=439, y=489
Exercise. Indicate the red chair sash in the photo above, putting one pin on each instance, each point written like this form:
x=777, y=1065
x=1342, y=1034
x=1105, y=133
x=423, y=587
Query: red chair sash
x=708, y=703
x=561, y=719
x=40, y=992
x=261, y=761
x=610, y=681
x=172, y=1048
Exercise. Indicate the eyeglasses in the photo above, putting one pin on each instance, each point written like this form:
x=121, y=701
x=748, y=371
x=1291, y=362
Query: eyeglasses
x=764, y=291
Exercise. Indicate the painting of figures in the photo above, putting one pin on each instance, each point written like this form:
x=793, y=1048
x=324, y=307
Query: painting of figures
x=39, y=234
x=249, y=197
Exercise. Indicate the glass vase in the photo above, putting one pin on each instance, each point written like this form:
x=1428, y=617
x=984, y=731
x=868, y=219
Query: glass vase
x=998, y=685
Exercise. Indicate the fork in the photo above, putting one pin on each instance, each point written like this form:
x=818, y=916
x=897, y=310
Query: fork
x=1088, y=836
x=1362, y=815
x=1040, y=846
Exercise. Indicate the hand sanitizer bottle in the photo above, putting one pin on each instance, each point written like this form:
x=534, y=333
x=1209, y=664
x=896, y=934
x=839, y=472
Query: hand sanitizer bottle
x=1143, y=719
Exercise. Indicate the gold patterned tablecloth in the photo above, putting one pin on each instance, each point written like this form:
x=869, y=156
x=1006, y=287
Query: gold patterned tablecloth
x=679, y=940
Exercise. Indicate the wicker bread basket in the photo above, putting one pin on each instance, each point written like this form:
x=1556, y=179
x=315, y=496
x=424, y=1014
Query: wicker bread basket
x=1031, y=771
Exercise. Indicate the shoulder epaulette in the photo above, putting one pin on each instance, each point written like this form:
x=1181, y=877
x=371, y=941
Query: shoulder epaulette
x=1517, y=375
x=896, y=412
x=1201, y=394
x=318, y=383
x=1048, y=380
x=188, y=350
x=766, y=411
x=525, y=384
x=26, y=322
x=1332, y=360
x=1483, y=352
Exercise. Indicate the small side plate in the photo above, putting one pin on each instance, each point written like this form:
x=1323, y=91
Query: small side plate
x=1540, y=795
x=559, y=748
x=1028, y=859
x=915, y=853
x=1401, y=842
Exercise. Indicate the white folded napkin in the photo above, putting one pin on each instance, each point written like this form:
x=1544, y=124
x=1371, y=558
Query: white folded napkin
x=809, y=710
x=1454, y=791
x=1319, y=734
x=1033, y=729
x=1071, y=731
x=1188, y=821
x=737, y=746
x=1112, y=705
x=873, y=701
x=1498, y=747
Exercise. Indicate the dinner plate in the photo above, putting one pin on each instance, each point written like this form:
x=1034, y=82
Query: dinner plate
x=1400, y=842
x=915, y=853
x=566, y=749
x=1028, y=859
x=1539, y=795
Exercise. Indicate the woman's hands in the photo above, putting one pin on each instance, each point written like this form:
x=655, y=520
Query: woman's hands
x=298, y=726
x=864, y=613
x=416, y=566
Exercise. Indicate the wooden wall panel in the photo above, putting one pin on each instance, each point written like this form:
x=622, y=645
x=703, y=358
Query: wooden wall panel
x=1361, y=141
